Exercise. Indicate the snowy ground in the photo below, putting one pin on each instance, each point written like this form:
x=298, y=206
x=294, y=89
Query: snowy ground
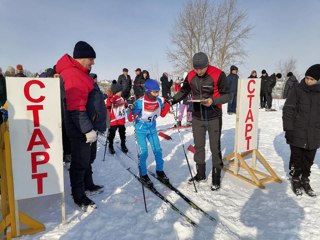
x=242, y=210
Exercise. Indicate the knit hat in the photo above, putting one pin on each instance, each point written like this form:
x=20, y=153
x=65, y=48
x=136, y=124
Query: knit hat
x=289, y=74
x=151, y=86
x=314, y=72
x=93, y=75
x=19, y=67
x=233, y=67
x=279, y=75
x=200, y=60
x=83, y=50
x=263, y=71
x=116, y=87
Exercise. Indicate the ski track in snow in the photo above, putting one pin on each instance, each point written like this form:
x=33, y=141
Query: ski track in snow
x=242, y=210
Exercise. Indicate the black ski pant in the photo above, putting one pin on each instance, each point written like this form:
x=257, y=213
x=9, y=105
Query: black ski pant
x=268, y=97
x=82, y=156
x=65, y=140
x=112, y=133
x=199, y=129
x=301, y=161
x=262, y=100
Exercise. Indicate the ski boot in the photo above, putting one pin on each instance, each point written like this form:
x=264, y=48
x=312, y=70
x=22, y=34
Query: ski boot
x=296, y=186
x=93, y=190
x=146, y=181
x=216, y=176
x=305, y=184
x=84, y=203
x=124, y=148
x=178, y=124
x=111, y=149
x=162, y=177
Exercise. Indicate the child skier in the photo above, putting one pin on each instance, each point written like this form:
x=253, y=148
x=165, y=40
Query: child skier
x=301, y=123
x=116, y=110
x=145, y=111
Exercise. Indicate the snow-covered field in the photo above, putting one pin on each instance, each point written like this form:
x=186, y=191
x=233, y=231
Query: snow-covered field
x=242, y=210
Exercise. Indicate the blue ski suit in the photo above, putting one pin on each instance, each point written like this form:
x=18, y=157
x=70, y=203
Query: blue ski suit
x=146, y=112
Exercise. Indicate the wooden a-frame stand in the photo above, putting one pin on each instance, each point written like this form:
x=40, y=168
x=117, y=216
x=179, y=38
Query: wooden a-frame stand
x=236, y=161
x=11, y=217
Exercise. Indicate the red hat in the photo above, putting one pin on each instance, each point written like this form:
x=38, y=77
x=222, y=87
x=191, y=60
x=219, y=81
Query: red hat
x=19, y=67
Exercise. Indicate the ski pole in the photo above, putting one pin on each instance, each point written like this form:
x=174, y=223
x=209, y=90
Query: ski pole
x=139, y=166
x=105, y=149
x=184, y=151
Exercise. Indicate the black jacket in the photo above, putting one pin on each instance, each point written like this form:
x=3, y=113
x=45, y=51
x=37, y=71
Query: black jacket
x=126, y=84
x=96, y=109
x=291, y=82
x=268, y=83
x=165, y=85
x=138, y=86
x=205, y=87
x=301, y=116
x=233, y=82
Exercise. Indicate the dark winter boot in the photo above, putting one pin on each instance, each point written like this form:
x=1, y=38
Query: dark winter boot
x=178, y=124
x=305, y=183
x=296, y=186
x=216, y=176
x=124, y=147
x=94, y=189
x=146, y=181
x=162, y=177
x=84, y=203
x=111, y=149
x=201, y=174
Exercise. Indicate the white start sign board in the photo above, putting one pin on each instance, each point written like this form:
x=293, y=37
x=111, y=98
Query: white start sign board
x=248, y=114
x=35, y=135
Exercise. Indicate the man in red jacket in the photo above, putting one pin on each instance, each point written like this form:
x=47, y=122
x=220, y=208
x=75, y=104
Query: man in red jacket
x=209, y=88
x=84, y=115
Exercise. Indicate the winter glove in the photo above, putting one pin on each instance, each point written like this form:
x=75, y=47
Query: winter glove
x=91, y=136
x=130, y=103
x=4, y=113
x=169, y=100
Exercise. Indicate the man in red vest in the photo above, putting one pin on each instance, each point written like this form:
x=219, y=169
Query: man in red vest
x=209, y=88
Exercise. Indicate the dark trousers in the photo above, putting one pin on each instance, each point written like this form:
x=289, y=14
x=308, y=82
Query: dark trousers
x=263, y=100
x=82, y=156
x=232, y=105
x=199, y=129
x=268, y=98
x=112, y=133
x=301, y=161
x=65, y=141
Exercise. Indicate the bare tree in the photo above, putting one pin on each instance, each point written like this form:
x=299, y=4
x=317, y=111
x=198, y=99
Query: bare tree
x=215, y=27
x=289, y=65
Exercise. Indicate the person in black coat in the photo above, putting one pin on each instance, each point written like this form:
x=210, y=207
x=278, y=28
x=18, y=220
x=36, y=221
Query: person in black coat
x=166, y=85
x=301, y=123
x=290, y=83
x=138, y=84
x=233, y=86
x=272, y=80
x=125, y=81
x=267, y=84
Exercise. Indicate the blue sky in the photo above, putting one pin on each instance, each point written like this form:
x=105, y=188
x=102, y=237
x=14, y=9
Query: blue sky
x=136, y=33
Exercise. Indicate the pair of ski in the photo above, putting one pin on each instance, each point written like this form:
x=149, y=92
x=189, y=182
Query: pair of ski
x=177, y=191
